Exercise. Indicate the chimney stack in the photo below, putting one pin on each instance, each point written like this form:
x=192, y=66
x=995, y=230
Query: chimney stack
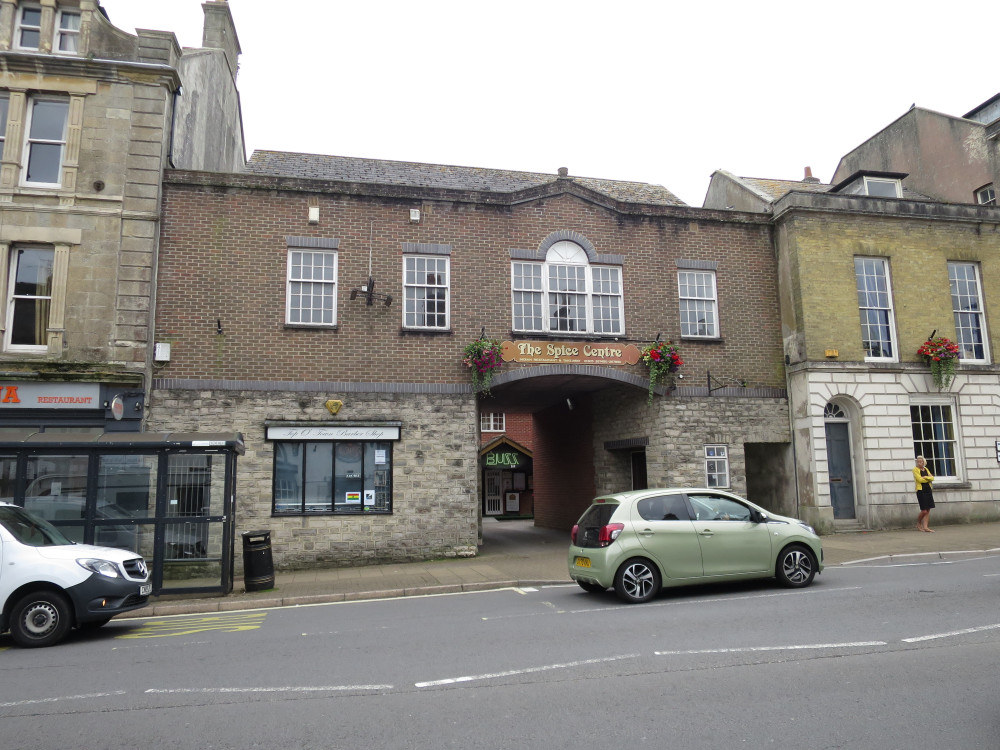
x=220, y=32
x=809, y=176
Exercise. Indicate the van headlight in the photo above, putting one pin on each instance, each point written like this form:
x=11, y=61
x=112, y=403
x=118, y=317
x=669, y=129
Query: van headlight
x=102, y=567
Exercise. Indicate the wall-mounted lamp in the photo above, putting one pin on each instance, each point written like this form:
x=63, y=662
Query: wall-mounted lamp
x=218, y=326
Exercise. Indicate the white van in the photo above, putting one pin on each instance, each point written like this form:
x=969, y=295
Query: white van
x=49, y=584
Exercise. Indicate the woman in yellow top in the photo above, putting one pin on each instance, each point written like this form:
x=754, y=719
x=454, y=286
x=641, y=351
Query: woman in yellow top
x=925, y=497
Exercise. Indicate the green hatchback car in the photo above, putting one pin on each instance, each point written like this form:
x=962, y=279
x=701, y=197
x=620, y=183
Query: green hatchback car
x=641, y=541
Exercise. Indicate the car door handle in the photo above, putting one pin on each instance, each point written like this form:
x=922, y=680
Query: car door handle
x=706, y=532
x=646, y=532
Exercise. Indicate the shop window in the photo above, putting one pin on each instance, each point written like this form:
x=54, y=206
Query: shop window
x=46, y=142
x=716, y=466
x=566, y=293
x=967, y=307
x=311, y=290
x=29, y=298
x=699, y=304
x=338, y=477
x=875, y=307
x=934, y=438
x=492, y=421
x=425, y=292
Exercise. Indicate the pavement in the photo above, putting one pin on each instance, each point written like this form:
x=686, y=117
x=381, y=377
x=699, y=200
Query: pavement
x=516, y=554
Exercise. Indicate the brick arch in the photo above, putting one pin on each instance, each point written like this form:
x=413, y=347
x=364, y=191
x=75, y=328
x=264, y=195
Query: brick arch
x=570, y=236
x=593, y=371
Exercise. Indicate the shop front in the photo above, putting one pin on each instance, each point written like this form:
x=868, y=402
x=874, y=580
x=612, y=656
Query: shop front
x=508, y=482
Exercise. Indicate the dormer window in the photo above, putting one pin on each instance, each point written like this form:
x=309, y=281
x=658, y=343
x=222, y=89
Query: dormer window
x=986, y=196
x=882, y=187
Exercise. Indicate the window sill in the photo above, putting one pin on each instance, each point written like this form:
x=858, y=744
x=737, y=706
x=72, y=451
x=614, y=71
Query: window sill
x=563, y=335
x=944, y=486
x=311, y=327
x=426, y=332
x=703, y=339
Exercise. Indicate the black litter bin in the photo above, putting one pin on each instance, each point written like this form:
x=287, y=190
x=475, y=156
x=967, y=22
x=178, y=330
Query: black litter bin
x=258, y=567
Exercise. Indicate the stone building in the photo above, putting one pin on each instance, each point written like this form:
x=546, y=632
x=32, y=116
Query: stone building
x=89, y=117
x=321, y=306
x=870, y=269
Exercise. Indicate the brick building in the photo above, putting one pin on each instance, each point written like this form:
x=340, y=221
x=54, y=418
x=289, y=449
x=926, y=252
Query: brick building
x=870, y=268
x=321, y=307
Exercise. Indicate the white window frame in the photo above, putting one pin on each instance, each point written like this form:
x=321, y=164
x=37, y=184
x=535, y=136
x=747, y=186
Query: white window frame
x=937, y=459
x=890, y=323
x=12, y=299
x=4, y=112
x=717, y=465
x=492, y=421
x=321, y=288
x=20, y=27
x=986, y=196
x=30, y=141
x=698, y=304
x=417, y=293
x=897, y=186
x=977, y=316
x=67, y=33
x=599, y=288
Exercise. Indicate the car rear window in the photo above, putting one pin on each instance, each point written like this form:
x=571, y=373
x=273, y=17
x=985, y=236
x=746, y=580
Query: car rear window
x=589, y=525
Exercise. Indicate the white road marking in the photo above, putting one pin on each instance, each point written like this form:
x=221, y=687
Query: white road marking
x=61, y=698
x=287, y=689
x=953, y=633
x=527, y=670
x=650, y=605
x=749, y=649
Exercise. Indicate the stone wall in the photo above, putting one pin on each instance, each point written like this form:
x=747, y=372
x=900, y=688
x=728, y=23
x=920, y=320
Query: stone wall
x=435, y=500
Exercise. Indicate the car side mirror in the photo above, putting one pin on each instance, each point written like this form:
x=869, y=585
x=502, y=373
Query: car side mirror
x=757, y=517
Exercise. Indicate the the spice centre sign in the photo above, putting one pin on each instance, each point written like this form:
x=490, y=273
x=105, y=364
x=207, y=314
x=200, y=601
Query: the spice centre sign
x=570, y=352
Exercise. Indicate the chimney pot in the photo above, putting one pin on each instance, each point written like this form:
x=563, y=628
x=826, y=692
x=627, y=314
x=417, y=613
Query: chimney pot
x=563, y=172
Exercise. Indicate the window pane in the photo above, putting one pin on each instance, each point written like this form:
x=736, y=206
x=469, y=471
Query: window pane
x=348, y=489
x=43, y=162
x=287, y=477
x=967, y=308
x=4, y=106
x=318, y=477
x=48, y=120
x=425, y=297
x=875, y=307
x=934, y=438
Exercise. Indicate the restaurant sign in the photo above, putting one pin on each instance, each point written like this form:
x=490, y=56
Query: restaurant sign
x=50, y=396
x=570, y=352
x=373, y=432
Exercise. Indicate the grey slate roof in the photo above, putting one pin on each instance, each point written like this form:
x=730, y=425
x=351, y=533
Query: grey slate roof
x=440, y=176
x=775, y=189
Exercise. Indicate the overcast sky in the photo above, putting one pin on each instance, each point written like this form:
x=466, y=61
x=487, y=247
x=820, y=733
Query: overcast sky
x=661, y=92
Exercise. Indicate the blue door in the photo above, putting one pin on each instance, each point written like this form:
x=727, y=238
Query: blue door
x=838, y=454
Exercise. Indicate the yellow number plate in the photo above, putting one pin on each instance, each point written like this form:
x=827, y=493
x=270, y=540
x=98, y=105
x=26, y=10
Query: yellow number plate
x=582, y=562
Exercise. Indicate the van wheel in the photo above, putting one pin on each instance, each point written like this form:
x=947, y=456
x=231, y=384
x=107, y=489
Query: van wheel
x=637, y=581
x=40, y=619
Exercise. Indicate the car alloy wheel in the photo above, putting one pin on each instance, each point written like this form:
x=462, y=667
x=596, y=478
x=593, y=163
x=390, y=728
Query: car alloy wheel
x=796, y=567
x=637, y=580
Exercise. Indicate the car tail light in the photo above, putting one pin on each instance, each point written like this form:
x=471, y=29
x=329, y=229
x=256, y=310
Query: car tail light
x=572, y=534
x=609, y=533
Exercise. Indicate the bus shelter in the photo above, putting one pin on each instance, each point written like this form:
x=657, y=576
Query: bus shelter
x=169, y=497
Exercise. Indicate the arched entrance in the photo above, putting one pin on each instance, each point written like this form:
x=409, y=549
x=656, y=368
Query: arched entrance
x=840, y=466
x=567, y=408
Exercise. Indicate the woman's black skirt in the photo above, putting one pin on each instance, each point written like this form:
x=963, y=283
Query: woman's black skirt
x=926, y=498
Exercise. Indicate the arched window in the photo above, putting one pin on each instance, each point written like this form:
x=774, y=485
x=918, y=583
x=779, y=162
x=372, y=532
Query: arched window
x=566, y=293
x=833, y=411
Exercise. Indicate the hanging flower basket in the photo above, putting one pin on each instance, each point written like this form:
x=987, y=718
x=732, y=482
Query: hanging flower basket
x=942, y=355
x=662, y=359
x=483, y=357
